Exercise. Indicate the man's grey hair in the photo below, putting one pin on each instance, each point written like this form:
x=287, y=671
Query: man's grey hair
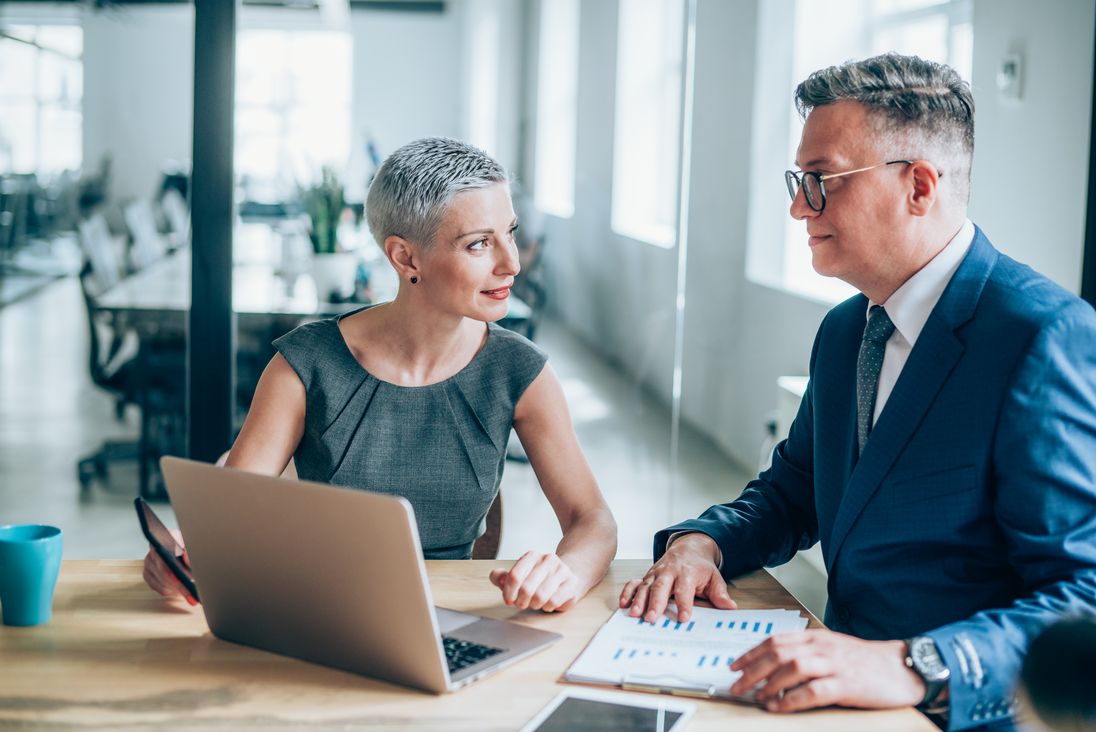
x=921, y=109
x=415, y=185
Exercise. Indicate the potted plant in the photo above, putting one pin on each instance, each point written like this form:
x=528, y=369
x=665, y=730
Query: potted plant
x=333, y=268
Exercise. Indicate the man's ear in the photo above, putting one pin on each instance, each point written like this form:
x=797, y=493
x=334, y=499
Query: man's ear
x=925, y=190
x=404, y=256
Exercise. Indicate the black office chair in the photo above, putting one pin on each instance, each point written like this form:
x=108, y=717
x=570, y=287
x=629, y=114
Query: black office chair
x=149, y=374
x=112, y=364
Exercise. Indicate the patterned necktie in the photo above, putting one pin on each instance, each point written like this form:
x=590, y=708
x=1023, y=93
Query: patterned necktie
x=868, y=364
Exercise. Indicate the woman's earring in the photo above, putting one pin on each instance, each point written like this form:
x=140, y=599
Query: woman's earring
x=414, y=280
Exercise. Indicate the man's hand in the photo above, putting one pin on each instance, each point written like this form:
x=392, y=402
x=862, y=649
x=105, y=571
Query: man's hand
x=818, y=668
x=538, y=581
x=687, y=570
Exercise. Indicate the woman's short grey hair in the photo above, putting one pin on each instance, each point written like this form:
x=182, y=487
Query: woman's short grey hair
x=416, y=183
x=922, y=110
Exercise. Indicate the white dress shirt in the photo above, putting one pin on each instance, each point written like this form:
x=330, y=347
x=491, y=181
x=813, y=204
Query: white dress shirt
x=910, y=306
x=909, y=309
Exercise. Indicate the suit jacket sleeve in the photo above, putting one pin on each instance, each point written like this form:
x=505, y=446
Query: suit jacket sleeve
x=1045, y=453
x=775, y=515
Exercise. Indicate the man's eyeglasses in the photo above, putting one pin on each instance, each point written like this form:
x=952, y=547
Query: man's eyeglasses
x=812, y=183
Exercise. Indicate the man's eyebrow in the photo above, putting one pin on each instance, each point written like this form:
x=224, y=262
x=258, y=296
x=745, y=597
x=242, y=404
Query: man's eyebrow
x=815, y=163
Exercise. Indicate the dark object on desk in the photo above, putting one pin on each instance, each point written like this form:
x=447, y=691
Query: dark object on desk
x=1059, y=675
x=164, y=544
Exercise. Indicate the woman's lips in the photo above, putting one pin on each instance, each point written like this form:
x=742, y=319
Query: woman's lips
x=500, y=294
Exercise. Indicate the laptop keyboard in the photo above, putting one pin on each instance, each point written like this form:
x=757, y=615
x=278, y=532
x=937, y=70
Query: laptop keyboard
x=461, y=653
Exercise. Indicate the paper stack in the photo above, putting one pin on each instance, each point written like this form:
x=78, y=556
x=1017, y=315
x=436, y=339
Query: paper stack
x=691, y=658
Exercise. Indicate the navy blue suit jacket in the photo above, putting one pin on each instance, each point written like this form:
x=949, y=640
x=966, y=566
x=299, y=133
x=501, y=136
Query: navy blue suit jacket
x=971, y=514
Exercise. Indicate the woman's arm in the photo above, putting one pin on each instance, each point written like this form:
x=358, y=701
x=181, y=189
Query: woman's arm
x=556, y=581
x=267, y=441
x=274, y=424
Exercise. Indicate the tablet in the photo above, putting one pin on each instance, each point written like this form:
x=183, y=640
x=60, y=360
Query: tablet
x=592, y=711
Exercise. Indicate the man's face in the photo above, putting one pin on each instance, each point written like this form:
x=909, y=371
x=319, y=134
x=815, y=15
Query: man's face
x=858, y=236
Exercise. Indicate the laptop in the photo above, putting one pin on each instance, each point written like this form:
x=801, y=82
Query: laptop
x=329, y=575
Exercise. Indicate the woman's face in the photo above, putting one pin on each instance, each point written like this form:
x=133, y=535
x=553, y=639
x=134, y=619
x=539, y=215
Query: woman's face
x=471, y=266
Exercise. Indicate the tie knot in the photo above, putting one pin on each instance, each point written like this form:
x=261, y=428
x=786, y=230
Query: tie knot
x=879, y=327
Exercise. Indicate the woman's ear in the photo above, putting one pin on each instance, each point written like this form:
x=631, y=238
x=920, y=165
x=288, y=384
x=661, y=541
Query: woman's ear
x=404, y=256
x=926, y=187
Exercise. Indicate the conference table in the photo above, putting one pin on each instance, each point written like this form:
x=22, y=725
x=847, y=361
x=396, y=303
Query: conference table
x=118, y=656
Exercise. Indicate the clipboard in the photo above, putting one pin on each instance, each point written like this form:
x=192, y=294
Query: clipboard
x=690, y=659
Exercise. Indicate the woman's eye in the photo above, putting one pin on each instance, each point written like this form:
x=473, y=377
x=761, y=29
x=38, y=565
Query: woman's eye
x=513, y=232
x=477, y=245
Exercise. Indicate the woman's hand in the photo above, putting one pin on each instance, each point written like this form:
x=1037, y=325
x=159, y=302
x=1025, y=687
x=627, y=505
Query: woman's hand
x=538, y=581
x=159, y=576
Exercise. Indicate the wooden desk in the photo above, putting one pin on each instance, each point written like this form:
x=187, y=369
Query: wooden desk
x=117, y=656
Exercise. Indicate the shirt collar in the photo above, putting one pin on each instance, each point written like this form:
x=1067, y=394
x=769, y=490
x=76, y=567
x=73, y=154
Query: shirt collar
x=912, y=303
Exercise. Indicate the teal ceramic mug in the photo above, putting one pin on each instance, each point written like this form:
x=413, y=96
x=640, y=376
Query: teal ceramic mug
x=30, y=558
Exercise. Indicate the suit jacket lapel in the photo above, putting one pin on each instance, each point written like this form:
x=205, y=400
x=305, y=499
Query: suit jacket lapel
x=931, y=361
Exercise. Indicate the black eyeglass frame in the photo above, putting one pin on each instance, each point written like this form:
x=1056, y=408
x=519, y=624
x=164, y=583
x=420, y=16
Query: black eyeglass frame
x=794, y=181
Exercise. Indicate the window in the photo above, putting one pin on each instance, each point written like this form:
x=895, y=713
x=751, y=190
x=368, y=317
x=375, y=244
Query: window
x=646, y=140
x=826, y=34
x=557, y=107
x=41, y=88
x=292, y=105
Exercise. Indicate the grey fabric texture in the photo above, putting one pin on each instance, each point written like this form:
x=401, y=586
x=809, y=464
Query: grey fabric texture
x=440, y=446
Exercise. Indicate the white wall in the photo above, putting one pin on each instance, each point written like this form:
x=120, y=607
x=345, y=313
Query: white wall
x=138, y=86
x=1030, y=187
x=406, y=79
x=1030, y=178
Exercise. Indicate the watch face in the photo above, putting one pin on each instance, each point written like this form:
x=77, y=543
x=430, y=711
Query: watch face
x=926, y=659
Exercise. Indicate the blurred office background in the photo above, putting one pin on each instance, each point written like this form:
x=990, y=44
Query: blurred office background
x=648, y=140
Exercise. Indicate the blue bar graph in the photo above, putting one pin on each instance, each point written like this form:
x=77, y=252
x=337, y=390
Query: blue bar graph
x=744, y=624
x=757, y=627
x=632, y=654
x=693, y=622
x=719, y=624
x=701, y=661
x=617, y=654
x=768, y=629
x=666, y=623
x=715, y=661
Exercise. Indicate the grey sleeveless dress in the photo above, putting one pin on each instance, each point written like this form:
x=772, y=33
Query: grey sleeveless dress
x=442, y=446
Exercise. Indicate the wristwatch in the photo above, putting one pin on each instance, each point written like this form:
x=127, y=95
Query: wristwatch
x=924, y=659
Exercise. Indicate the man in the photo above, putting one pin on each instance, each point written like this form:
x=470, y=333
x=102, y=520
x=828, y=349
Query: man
x=945, y=450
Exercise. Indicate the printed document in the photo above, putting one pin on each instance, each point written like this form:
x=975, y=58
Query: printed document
x=691, y=658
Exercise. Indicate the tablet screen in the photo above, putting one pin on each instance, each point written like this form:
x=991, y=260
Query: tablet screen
x=594, y=715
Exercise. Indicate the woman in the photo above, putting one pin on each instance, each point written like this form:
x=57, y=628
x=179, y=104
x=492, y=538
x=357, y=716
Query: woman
x=417, y=396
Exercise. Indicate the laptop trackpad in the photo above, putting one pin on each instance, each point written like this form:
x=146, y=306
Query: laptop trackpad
x=450, y=620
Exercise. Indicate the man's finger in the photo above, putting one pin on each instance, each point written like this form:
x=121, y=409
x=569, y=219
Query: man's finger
x=658, y=596
x=755, y=668
x=628, y=592
x=716, y=592
x=792, y=673
x=816, y=693
x=684, y=592
x=639, y=601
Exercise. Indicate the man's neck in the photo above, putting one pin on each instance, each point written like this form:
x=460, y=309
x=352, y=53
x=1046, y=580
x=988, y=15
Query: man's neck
x=922, y=248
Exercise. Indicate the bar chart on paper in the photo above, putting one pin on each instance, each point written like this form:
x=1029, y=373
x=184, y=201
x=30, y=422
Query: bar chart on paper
x=690, y=657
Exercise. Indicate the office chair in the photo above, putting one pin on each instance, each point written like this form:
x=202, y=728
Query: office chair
x=111, y=362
